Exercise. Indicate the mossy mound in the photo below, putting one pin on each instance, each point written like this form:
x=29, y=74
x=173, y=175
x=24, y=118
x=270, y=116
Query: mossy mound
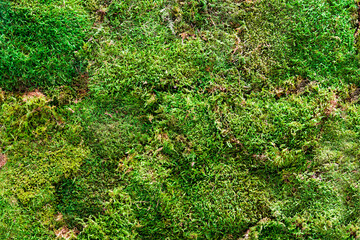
x=38, y=45
x=202, y=120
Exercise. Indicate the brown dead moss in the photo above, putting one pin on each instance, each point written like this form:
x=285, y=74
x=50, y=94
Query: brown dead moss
x=3, y=160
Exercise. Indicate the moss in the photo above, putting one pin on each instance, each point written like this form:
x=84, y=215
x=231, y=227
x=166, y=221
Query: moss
x=36, y=51
x=40, y=152
x=197, y=120
x=118, y=221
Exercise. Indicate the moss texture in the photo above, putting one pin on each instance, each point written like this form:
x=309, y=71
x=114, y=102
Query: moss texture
x=171, y=119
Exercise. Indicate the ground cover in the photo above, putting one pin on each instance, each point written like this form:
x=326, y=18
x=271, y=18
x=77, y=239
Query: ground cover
x=170, y=119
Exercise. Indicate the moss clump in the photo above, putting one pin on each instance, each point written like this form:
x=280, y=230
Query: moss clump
x=39, y=45
x=42, y=151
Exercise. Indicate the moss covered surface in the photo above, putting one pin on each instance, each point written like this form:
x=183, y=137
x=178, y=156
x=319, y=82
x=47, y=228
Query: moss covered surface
x=170, y=119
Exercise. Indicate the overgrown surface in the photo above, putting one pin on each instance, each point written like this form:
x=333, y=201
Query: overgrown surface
x=171, y=119
x=38, y=44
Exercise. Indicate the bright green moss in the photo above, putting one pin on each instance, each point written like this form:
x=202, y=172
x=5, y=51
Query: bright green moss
x=230, y=84
x=38, y=45
x=42, y=151
x=118, y=221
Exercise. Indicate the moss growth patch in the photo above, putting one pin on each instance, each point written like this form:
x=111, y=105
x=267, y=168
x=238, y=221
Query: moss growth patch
x=194, y=120
x=39, y=44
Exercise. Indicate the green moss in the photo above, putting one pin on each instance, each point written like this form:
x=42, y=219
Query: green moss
x=203, y=120
x=41, y=151
x=35, y=50
x=118, y=221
